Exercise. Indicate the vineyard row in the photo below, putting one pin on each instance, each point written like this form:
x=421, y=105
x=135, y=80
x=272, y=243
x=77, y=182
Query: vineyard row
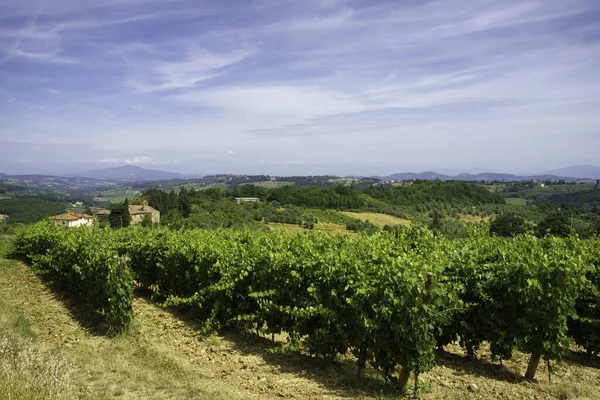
x=391, y=299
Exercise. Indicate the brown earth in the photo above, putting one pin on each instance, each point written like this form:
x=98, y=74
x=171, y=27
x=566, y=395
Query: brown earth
x=165, y=357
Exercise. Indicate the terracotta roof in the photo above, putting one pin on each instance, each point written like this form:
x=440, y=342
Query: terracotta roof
x=70, y=216
x=137, y=209
x=103, y=212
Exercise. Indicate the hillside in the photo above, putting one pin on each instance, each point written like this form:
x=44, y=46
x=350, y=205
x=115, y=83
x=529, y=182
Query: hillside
x=579, y=171
x=49, y=352
x=486, y=176
x=129, y=173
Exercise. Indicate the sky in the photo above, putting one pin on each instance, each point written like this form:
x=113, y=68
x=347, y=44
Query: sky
x=312, y=87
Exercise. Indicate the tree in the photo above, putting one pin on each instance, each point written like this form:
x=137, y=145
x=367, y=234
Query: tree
x=436, y=221
x=119, y=215
x=596, y=224
x=146, y=221
x=174, y=219
x=183, y=204
x=508, y=225
x=126, y=215
x=556, y=224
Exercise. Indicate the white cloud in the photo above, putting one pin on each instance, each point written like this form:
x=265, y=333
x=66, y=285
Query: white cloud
x=108, y=161
x=198, y=65
x=53, y=92
x=138, y=160
x=307, y=101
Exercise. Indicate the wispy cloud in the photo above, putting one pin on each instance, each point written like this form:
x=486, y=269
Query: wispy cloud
x=53, y=92
x=198, y=65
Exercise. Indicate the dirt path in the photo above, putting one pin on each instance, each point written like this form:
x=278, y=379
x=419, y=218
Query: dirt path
x=165, y=358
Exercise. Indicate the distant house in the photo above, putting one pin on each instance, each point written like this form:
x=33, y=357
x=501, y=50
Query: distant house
x=71, y=220
x=103, y=213
x=3, y=217
x=77, y=204
x=240, y=200
x=138, y=212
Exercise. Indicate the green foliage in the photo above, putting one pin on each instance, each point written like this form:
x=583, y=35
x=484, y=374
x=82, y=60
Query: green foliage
x=87, y=262
x=584, y=327
x=331, y=294
x=119, y=215
x=429, y=193
x=517, y=294
x=508, y=225
x=146, y=221
x=341, y=197
x=556, y=224
x=361, y=226
x=436, y=221
x=391, y=298
x=183, y=203
x=28, y=209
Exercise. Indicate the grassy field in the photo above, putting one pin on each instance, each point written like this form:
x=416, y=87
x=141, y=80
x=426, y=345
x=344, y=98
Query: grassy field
x=516, y=201
x=272, y=184
x=48, y=351
x=472, y=218
x=379, y=220
x=319, y=227
x=116, y=195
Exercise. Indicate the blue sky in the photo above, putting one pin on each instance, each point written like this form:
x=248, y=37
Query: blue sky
x=299, y=87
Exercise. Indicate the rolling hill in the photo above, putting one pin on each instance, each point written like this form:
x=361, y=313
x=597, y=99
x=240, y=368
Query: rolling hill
x=130, y=173
x=579, y=171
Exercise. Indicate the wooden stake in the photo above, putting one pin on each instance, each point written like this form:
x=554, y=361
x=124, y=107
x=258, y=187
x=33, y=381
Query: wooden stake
x=122, y=266
x=416, y=389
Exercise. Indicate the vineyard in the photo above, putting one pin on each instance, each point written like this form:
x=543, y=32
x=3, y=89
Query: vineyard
x=391, y=299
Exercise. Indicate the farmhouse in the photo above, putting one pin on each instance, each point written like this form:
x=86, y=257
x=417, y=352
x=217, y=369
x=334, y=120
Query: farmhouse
x=138, y=212
x=103, y=213
x=70, y=220
x=240, y=200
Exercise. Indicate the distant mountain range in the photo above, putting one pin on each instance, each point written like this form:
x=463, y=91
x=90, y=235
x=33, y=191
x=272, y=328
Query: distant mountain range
x=578, y=171
x=572, y=173
x=130, y=173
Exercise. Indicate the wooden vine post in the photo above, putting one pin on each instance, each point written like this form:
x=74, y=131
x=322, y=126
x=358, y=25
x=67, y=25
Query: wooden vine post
x=122, y=266
x=534, y=361
x=404, y=373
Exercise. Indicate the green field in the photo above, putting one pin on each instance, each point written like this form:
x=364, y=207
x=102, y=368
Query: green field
x=377, y=219
x=516, y=201
x=116, y=195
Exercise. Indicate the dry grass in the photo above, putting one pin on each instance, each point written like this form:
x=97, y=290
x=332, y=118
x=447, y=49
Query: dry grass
x=319, y=227
x=67, y=362
x=287, y=228
x=28, y=370
x=379, y=220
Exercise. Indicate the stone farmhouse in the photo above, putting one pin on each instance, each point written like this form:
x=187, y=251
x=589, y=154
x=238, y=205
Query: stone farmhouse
x=138, y=212
x=71, y=220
